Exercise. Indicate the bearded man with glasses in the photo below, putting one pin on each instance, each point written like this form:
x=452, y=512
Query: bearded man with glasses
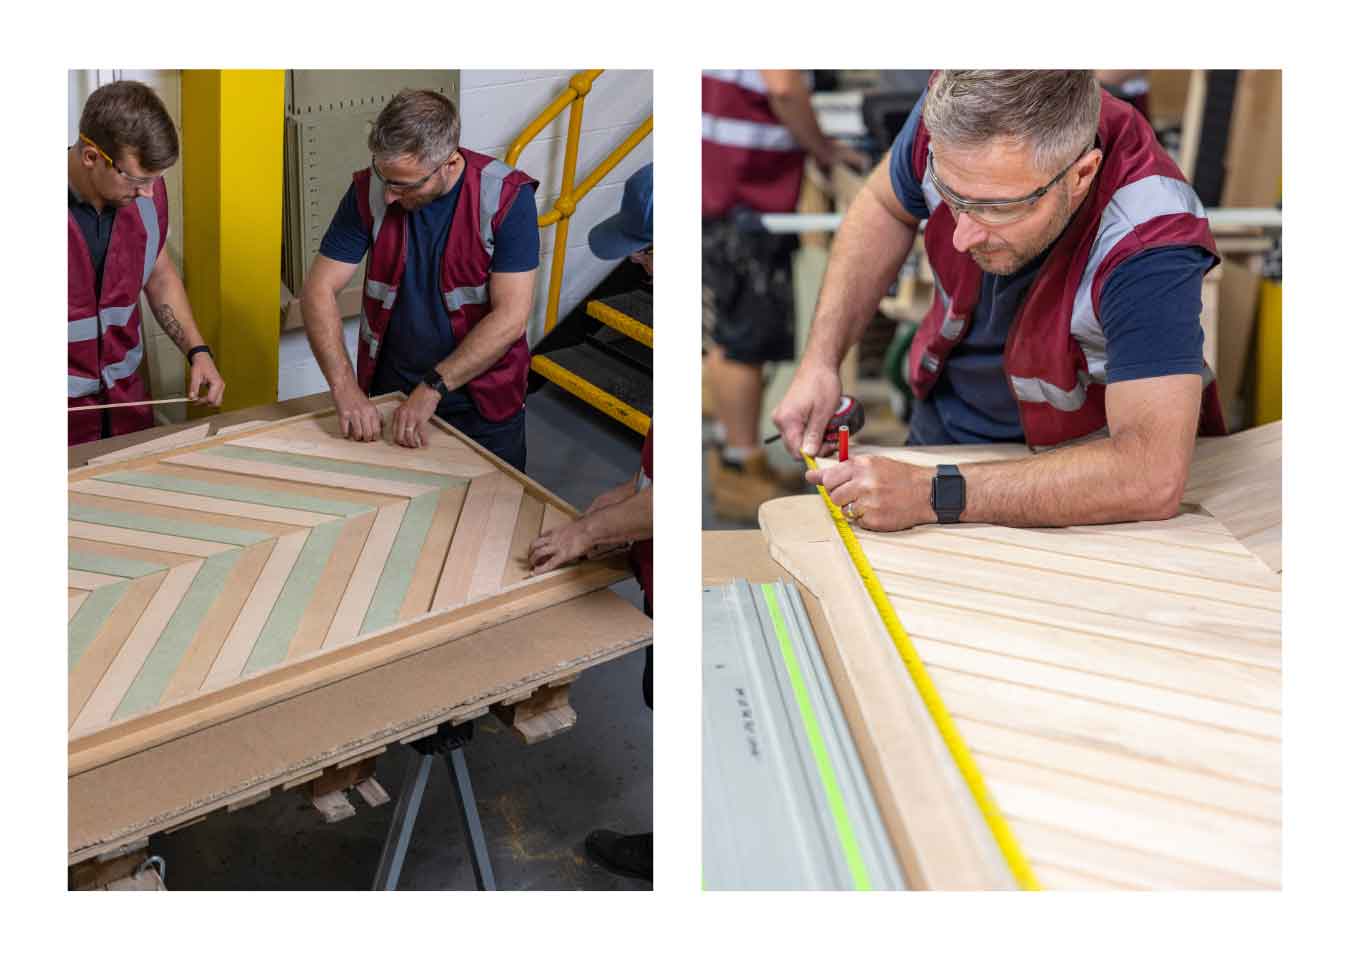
x=1068, y=254
x=451, y=238
x=117, y=222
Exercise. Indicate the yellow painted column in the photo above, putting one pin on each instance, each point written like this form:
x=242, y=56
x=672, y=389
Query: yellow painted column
x=1268, y=388
x=233, y=121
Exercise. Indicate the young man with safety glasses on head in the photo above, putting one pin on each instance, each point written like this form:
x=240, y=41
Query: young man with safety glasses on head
x=1068, y=254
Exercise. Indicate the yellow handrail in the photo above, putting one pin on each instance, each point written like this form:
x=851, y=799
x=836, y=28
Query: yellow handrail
x=570, y=194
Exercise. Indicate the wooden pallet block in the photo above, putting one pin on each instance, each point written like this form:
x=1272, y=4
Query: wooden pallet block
x=212, y=578
x=1119, y=686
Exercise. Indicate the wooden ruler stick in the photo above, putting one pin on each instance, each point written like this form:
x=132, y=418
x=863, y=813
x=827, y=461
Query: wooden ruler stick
x=134, y=403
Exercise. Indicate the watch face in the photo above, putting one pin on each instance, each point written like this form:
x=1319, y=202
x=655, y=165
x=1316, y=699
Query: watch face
x=949, y=493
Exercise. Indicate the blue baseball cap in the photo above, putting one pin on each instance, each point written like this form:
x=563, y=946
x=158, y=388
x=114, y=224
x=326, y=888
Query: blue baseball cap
x=629, y=230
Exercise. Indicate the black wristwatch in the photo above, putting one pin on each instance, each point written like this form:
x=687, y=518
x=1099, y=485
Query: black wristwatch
x=949, y=494
x=437, y=383
x=200, y=348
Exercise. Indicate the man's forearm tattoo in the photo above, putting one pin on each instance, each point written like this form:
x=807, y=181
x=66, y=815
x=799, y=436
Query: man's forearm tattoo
x=170, y=325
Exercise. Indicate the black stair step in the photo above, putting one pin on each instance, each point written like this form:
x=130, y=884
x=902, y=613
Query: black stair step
x=612, y=341
x=609, y=373
x=636, y=304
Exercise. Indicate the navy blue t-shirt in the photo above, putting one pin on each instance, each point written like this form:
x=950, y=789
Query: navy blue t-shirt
x=419, y=335
x=1149, y=313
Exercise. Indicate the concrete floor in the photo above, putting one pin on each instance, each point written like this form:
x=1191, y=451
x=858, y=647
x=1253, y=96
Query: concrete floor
x=536, y=803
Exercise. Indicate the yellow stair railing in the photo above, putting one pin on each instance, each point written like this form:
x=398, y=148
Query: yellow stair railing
x=571, y=193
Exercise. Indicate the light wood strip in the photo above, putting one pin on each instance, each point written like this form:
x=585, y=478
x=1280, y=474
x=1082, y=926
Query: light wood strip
x=1054, y=877
x=1187, y=531
x=1262, y=653
x=318, y=616
x=77, y=598
x=149, y=541
x=239, y=642
x=277, y=471
x=528, y=523
x=93, y=664
x=81, y=629
x=85, y=556
x=125, y=666
x=190, y=434
x=335, y=502
x=1220, y=841
x=460, y=561
x=208, y=505
x=219, y=620
x=181, y=525
x=173, y=643
x=1190, y=746
x=1114, y=767
x=351, y=611
x=1151, y=698
x=316, y=438
x=276, y=635
x=431, y=560
x=501, y=526
x=1119, y=865
x=553, y=519
x=1092, y=652
x=418, y=478
x=97, y=553
x=396, y=576
x=240, y=427
x=1145, y=564
x=84, y=580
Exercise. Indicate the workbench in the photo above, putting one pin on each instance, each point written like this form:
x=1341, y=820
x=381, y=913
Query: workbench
x=325, y=737
x=1119, y=685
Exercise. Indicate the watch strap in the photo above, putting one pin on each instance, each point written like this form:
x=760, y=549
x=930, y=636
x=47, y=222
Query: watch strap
x=948, y=498
x=200, y=348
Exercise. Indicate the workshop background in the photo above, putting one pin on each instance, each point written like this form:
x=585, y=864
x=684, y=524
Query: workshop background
x=1224, y=129
x=266, y=156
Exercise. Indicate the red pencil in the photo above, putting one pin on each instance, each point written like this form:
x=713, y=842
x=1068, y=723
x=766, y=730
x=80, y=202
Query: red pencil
x=843, y=444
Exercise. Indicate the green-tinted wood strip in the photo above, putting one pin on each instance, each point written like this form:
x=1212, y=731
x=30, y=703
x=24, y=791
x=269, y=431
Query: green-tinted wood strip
x=81, y=580
x=318, y=616
x=351, y=612
x=123, y=492
x=89, y=619
x=112, y=566
x=89, y=671
x=329, y=465
x=233, y=520
x=178, y=528
x=216, y=625
x=168, y=652
x=427, y=571
x=285, y=473
x=243, y=494
x=75, y=601
x=398, y=568
x=146, y=540
x=295, y=597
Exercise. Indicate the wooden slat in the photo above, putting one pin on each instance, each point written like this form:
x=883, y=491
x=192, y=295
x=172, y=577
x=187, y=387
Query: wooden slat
x=339, y=501
x=77, y=598
x=180, y=523
x=553, y=519
x=351, y=610
x=317, y=438
x=427, y=572
x=239, y=642
x=392, y=588
x=497, y=538
x=149, y=541
x=528, y=523
x=208, y=505
x=318, y=616
x=136, y=561
x=172, y=441
x=90, y=668
x=462, y=558
x=276, y=471
x=124, y=667
x=219, y=620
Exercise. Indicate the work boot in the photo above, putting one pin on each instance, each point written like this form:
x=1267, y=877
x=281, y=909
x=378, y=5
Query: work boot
x=739, y=488
x=629, y=855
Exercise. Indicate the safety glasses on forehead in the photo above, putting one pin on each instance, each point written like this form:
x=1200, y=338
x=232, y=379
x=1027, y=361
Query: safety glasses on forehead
x=996, y=213
x=398, y=187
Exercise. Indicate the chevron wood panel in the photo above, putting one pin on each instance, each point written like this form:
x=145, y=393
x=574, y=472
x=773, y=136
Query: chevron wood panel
x=194, y=568
x=1119, y=685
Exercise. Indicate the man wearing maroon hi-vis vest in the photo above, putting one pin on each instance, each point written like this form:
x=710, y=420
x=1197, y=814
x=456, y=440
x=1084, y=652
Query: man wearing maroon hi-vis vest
x=1068, y=254
x=117, y=221
x=452, y=244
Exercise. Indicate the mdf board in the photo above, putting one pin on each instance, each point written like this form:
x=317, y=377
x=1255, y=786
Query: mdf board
x=215, y=578
x=1119, y=686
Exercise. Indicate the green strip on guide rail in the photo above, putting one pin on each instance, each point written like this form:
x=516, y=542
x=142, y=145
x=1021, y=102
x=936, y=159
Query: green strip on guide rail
x=847, y=839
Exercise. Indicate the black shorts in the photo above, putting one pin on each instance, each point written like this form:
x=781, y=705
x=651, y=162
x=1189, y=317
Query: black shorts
x=747, y=287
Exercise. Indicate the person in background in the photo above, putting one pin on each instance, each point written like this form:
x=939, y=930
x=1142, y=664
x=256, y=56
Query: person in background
x=621, y=515
x=117, y=222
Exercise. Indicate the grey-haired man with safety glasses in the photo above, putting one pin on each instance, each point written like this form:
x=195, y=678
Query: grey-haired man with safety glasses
x=1068, y=254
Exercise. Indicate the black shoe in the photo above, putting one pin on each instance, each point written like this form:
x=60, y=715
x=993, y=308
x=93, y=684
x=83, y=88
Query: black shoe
x=627, y=854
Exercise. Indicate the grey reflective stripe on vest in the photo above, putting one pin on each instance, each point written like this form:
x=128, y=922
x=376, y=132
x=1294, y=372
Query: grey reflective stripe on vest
x=751, y=80
x=151, y=221
x=368, y=335
x=80, y=386
x=931, y=196
x=86, y=328
x=382, y=292
x=1130, y=207
x=377, y=206
x=459, y=296
x=1034, y=390
x=747, y=134
x=490, y=200
x=126, y=366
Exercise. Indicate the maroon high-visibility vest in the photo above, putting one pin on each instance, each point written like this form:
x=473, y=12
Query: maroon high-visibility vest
x=749, y=158
x=488, y=187
x=1055, y=357
x=104, y=327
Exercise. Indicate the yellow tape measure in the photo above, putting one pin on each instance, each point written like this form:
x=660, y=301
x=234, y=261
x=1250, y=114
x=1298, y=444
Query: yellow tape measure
x=951, y=736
